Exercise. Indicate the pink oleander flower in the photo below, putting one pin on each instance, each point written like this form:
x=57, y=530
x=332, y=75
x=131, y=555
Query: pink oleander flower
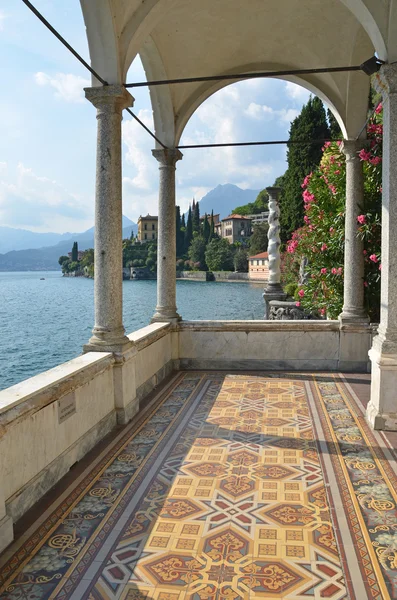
x=297, y=303
x=365, y=283
x=322, y=311
x=306, y=220
x=306, y=180
x=331, y=229
x=307, y=197
x=380, y=266
x=340, y=271
x=324, y=247
x=301, y=293
x=374, y=258
x=364, y=155
x=337, y=172
x=361, y=219
x=332, y=188
x=379, y=108
x=323, y=271
x=334, y=271
x=364, y=252
x=327, y=144
x=376, y=160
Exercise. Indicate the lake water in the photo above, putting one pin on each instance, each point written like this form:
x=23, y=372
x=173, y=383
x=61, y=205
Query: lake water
x=45, y=323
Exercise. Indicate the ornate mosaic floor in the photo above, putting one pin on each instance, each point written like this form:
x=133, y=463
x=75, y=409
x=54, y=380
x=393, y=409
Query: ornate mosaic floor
x=228, y=487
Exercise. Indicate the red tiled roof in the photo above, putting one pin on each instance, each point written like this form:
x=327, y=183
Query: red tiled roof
x=260, y=255
x=236, y=217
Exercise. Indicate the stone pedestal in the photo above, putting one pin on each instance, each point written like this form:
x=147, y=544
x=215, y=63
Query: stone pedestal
x=273, y=290
x=382, y=408
x=166, y=243
x=353, y=293
x=108, y=334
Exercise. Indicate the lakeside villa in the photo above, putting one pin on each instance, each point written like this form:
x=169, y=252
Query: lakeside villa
x=198, y=460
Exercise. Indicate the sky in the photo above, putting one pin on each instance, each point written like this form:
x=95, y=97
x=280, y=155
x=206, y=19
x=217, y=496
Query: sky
x=48, y=129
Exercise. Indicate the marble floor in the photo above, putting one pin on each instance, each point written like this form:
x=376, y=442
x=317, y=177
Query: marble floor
x=254, y=486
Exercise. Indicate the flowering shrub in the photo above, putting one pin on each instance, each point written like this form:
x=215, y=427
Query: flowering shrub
x=321, y=239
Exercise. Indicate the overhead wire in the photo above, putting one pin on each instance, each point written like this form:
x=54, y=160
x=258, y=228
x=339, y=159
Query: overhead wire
x=239, y=76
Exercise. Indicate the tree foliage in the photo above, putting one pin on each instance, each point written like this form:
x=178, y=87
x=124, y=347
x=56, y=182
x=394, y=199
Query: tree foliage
x=241, y=260
x=197, y=252
x=311, y=124
x=259, y=241
x=75, y=252
x=261, y=204
x=321, y=240
x=219, y=255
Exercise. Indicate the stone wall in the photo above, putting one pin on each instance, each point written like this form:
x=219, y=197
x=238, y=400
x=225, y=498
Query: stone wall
x=50, y=421
x=268, y=345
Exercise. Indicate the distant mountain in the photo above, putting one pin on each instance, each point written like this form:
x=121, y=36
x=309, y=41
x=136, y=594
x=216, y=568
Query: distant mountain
x=224, y=198
x=46, y=258
x=21, y=239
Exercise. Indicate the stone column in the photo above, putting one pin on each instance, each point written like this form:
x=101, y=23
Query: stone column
x=108, y=333
x=273, y=291
x=353, y=292
x=382, y=408
x=166, y=243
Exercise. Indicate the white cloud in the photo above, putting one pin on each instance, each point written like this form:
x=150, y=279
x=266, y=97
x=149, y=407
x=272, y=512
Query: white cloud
x=40, y=203
x=2, y=19
x=296, y=92
x=68, y=87
x=263, y=112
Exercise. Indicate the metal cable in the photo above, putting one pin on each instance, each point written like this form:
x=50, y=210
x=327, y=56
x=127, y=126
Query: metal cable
x=63, y=41
x=146, y=128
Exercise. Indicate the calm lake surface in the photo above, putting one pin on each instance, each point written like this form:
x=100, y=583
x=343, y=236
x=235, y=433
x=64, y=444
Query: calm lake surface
x=45, y=323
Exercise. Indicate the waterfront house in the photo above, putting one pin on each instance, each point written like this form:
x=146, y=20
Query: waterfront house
x=236, y=228
x=258, y=266
x=147, y=228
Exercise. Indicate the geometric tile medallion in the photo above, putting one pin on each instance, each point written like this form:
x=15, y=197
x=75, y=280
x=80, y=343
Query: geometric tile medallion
x=228, y=487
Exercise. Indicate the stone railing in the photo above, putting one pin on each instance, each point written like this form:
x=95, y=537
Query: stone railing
x=49, y=422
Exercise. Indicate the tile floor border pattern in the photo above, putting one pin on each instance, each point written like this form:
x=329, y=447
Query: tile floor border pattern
x=367, y=484
x=247, y=515
x=104, y=509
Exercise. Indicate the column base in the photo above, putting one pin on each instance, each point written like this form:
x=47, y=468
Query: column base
x=6, y=532
x=273, y=291
x=346, y=318
x=166, y=316
x=105, y=342
x=382, y=408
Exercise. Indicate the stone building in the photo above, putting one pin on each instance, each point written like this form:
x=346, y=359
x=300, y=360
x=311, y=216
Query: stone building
x=236, y=228
x=147, y=228
x=258, y=266
x=219, y=479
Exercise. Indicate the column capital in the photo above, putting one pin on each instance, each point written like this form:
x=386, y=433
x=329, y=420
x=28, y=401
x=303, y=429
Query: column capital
x=167, y=157
x=114, y=95
x=385, y=81
x=274, y=192
x=350, y=148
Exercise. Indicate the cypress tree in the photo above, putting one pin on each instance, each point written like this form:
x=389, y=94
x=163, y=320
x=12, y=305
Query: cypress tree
x=188, y=230
x=180, y=236
x=335, y=132
x=183, y=223
x=75, y=252
x=311, y=124
x=206, y=229
x=212, y=227
x=196, y=218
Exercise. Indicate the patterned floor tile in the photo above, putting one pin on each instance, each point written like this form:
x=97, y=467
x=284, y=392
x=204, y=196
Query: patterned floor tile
x=232, y=486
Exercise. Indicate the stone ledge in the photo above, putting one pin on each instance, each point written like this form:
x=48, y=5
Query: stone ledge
x=35, y=393
x=253, y=326
x=148, y=335
x=6, y=532
x=259, y=365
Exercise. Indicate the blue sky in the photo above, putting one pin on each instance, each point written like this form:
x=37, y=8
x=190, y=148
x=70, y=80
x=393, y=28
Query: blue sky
x=48, y=129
